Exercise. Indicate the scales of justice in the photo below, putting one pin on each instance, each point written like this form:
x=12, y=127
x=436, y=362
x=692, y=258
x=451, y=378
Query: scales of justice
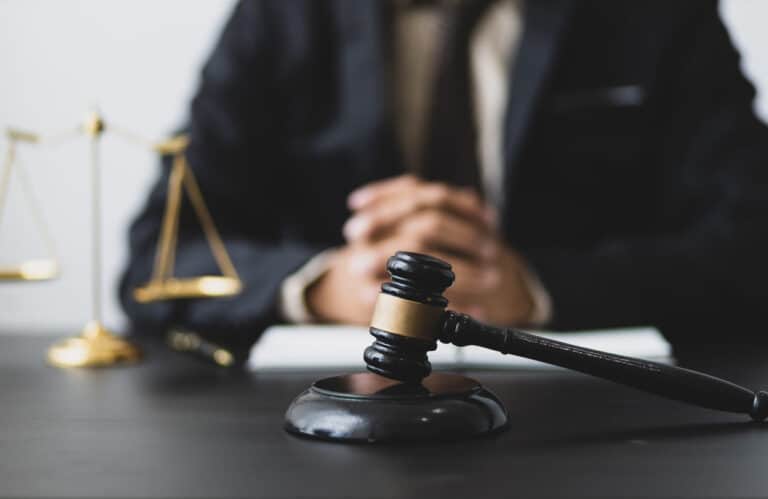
x=97, y=346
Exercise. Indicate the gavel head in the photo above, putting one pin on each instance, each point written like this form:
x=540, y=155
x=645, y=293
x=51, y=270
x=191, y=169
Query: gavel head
x=408, y=316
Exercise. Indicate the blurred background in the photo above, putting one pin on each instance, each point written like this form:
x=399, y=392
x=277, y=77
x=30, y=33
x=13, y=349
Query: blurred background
x=138, y=63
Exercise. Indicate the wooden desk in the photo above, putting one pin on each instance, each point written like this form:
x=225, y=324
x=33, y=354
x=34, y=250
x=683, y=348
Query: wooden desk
x=176, y=427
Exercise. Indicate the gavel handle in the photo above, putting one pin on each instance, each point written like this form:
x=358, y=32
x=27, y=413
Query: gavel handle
x=667, y=381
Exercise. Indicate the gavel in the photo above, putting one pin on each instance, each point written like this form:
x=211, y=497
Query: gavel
x=410, y=317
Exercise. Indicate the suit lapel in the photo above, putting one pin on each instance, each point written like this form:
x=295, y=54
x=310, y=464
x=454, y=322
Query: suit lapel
x=367, y=72
x=544, y=22
x=366, y=84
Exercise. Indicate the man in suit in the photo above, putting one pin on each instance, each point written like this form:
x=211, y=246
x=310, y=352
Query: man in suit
x=582, y=164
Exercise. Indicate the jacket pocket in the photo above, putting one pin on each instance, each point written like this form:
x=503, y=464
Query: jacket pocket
x=617, y=96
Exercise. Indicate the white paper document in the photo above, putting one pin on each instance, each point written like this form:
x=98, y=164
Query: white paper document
x=341, y=347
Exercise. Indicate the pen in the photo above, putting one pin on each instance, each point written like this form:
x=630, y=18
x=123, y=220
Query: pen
x=191, y=342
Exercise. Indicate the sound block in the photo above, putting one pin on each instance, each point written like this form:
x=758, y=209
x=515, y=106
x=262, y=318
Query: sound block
x=366, y=407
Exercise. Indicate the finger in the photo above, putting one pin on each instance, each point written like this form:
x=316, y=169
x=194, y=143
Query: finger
x=365, y=297
x=470, y=291
x=473, y=277
x=386, y=248
x=446, y=232
x=474, y=281
x=463, y=202
x=381, y=217
x=473, y=310
x=473, y=307
x=368, y=294
x=367, y=262
x=369, y=193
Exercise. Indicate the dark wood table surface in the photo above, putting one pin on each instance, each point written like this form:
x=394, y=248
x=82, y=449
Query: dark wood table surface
x=174, y=426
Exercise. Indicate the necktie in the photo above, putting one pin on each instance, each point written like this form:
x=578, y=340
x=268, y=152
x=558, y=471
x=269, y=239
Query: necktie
x=450, y=153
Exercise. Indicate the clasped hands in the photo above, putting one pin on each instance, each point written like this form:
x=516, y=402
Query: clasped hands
x=409, y=214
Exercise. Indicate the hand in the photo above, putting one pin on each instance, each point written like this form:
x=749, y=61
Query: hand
x=381, y=206
x=495, y=291
x=453, y=224
x=493, y=288
x=346, y=293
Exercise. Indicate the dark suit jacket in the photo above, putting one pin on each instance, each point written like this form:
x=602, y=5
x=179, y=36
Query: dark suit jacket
x=636, y=172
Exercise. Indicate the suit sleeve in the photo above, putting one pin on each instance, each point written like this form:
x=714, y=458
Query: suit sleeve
x=236, y=159
x=705, y=281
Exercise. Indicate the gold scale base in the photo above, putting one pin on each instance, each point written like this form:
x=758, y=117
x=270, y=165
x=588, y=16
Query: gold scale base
x=95, y=347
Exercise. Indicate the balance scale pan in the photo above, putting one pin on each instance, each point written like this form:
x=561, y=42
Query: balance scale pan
x=195, y=287
x=30, y=270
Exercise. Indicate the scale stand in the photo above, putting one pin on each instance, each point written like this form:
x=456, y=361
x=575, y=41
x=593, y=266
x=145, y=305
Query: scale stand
x=96, y=346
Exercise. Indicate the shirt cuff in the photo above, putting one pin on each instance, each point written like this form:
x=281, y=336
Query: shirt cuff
x=542, y=302
x=292, y=303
